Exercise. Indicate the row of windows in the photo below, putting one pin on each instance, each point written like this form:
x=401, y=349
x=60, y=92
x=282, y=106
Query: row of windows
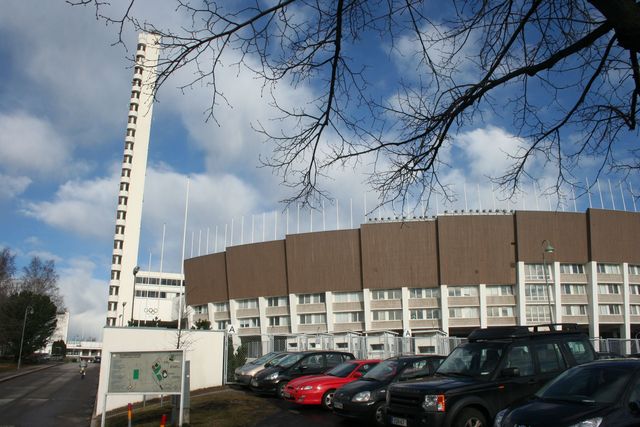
x=157, y=281
x=536, y=271
x=154, y=294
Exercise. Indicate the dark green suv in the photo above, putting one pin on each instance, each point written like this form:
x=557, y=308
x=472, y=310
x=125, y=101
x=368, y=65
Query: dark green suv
x=496, y=367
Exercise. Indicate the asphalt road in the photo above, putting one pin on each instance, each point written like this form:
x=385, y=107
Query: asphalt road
x=55, y=396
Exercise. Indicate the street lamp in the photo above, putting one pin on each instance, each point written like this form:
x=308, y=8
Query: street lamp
x=133, y=292
x=124, y=304
x=27, y=310
x=547, y=249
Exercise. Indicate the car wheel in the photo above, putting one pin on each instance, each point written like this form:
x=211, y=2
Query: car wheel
x=280, y=389
x=327, y=399
x=471, y=418
x=378, y=414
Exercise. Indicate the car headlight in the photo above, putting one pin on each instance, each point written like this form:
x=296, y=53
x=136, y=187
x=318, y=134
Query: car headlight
x=499, y=417
x=593, y=422
x=272, y=376
x=433, y=403
x=363, y=396
x=307, y=387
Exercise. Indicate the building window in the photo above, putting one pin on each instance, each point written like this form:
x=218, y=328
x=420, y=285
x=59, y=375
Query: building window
x=122, y=200
x=128, y=158
x=311, y=299
x=571, y=268
x=386, y=294
x=499, y=291
x=133, y=107
x=536, y=272
x=312, y=319
x=124, y=186
x=135, y=94
x=574, y=289
x=121, y=215
x=536, y=292
x=126, y=173
x=634, y=310
x=248, y=303
x=117, y=244
x=634, y=269
x=609, y=309
x=425, y=313
x=279, y=321
x=634, y=289
x=464, y=312
x=201, y=309
x=574, y=310
x=116, y=259
x=463, y=291
x=221, y=325
x=112, y=306
x=608, y=268
x=132, y=120
x=115, y=275
x=142, y=46
x=347, y=297
x=608, y=288
x=119, y=229
x=506, y=311
x=137, y=70
x=131, y=132
x=220, y=306
x=419, y=293
x=382, y=315
x=113, y=290
x=538, y=314
x=350, y=317
x=277, y=301
x=252, y=322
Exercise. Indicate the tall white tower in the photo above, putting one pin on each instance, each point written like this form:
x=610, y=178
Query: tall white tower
x=130, y=195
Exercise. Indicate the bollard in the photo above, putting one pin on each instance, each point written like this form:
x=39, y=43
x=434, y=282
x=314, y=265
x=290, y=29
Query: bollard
x=163, y=420
x=129, y=414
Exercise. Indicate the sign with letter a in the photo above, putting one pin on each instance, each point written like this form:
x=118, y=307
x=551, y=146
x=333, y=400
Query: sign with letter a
x=231, y=329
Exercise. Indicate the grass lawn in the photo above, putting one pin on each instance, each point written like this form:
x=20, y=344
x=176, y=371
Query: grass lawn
x=222, y=407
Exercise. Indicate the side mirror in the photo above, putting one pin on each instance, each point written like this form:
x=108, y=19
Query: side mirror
x=510, y=372
x=303, y=368
x=357, y=374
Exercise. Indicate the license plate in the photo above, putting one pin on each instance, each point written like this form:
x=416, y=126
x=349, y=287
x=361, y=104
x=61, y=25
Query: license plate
x=337, y=405
x=398, y=421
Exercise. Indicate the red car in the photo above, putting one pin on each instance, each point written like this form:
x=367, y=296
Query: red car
x=319, y=389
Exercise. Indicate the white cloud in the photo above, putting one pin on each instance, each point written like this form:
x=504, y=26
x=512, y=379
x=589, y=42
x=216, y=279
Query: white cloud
x=84, y=296
x=29, y=145
x=486, y=151
x=86, y=208
x=13, y=186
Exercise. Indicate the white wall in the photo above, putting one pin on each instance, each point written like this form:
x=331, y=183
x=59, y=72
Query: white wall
x=204, y=349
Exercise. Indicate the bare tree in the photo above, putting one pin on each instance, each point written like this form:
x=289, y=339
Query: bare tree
x=564, y=72
x=40, y=277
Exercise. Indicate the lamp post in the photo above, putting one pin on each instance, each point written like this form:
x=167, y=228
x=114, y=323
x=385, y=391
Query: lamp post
x=27, y=310
x=547, y=249
x=133, y=292
x=124, y=304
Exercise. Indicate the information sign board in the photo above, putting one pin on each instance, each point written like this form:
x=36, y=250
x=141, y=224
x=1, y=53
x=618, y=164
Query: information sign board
x=146, y=372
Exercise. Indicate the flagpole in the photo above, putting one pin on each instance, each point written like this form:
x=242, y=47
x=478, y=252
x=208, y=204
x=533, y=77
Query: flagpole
x=184, y=240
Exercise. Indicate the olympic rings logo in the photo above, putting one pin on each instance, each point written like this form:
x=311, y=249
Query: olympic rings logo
x=151, y=310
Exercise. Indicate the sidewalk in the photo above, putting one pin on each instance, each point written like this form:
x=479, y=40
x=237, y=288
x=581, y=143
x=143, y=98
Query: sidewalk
x=8, y=375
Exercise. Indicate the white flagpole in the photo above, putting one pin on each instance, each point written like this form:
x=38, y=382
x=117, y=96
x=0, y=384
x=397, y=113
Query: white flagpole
x=164, y=227
x=337, y=215
x=207, y=240
x=600, y=192
x=535, y=194
x=225, y=236
x=253, y=226
x=588, y=192
x=193, y=236
x=633, y=199
x=575, y=204
x=310, y=219
x=242, y=230
x=613, y=203
x=287, y=220
x=199, y=242
x=324, y=224
x=215, y=245
x=231, y=234
x=184, y=240
x=275, y=225
x=624, y=204
x=264, y=224
x=493, y=197
x=479, y=199
x=464, y=188
x=298, y=226
x=365, y=206
x=351, y=213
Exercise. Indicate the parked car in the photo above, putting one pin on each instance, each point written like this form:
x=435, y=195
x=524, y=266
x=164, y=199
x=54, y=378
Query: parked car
x=601, y=393
x=246, y=372
x=364, y=399
x=495, y=368
x=275, y=378
x=319, y=389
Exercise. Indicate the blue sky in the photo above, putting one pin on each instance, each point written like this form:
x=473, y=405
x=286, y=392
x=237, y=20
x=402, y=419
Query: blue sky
x=64, y=91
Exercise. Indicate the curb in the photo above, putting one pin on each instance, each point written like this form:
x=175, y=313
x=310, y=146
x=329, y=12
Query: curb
x=27, y=372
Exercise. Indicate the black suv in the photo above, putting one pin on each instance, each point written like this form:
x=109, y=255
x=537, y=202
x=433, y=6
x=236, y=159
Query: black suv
x=275, y=378
x=495, y=368
x=364, y=399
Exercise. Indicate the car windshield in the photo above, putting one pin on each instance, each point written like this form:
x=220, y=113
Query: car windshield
x=383, y=371
x=588, y=384
x=290, y=360
x=276, y=360
x=264, y=359
x=475, y=359
x=342, y=370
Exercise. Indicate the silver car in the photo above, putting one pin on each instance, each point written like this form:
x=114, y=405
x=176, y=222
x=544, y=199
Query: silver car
x=244, y=373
